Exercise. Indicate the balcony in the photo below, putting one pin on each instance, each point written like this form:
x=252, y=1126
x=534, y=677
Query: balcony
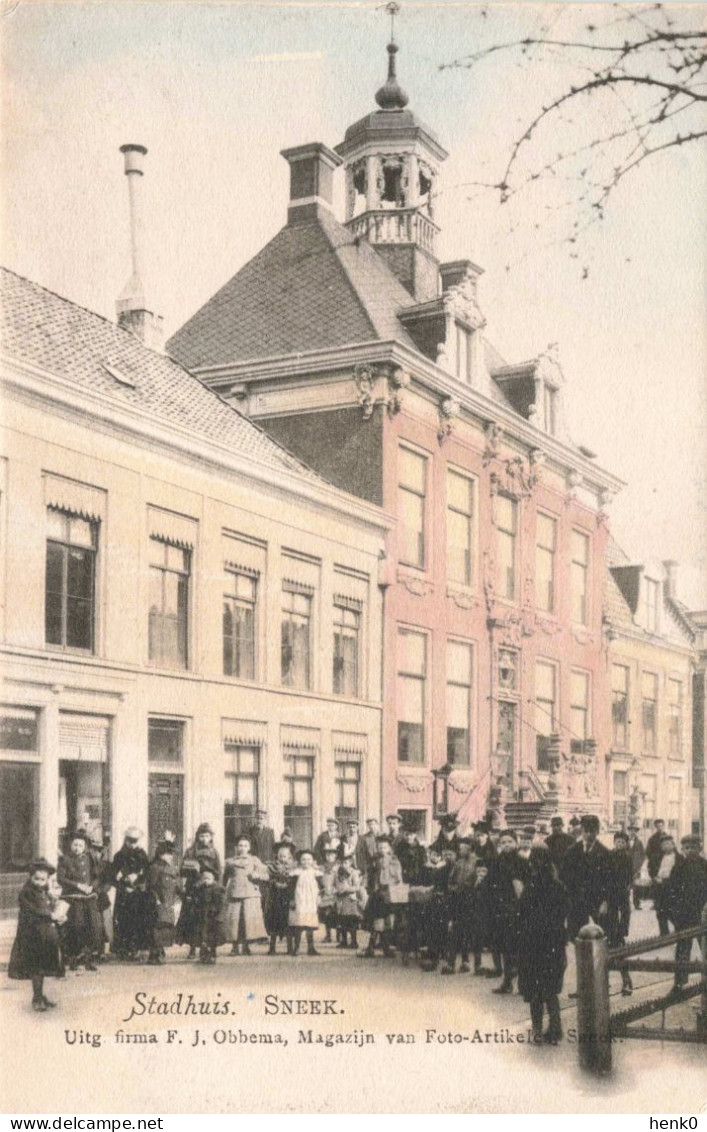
x=395, y=226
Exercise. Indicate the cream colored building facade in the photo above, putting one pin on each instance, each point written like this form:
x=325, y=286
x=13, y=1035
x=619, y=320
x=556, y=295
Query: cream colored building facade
x=233, y=657
x=651, y=662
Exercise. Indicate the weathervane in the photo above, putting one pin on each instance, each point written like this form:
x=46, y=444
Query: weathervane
x=392, y=8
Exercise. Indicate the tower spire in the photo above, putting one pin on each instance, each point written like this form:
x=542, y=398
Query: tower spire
x=391, y=95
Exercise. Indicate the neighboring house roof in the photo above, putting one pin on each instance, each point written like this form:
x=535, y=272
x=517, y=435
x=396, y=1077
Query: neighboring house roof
x=313, y=287
x=621, y=598
x=41, y=328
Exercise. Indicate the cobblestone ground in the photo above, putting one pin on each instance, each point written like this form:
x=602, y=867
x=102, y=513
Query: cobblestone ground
x=400, y=1040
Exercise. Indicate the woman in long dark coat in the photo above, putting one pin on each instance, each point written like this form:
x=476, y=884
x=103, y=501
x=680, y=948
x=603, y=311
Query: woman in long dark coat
x=542, y=942
x=78, y=876
x=131, y=929
x=36, y=952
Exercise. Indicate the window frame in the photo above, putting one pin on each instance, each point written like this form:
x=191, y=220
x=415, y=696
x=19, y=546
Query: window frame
x=243, y=603
x=541, y=748
x=343, y=608
x=164, y=570
x=453, y=642
x=620, y=740
x=67, y=548
x=423, y=495
x=675, y=717
x=651, y=747
x=511, y=537
x=551, y=552
x=287, y=617
x=403, y=674
x=470, y=518
x=580, y=569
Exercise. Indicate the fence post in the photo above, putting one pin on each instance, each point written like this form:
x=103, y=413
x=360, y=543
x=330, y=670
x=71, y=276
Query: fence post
x=702, y=1012
x=593, y=1025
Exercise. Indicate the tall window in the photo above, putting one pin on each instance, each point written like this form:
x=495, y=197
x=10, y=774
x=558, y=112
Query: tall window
x=545, y=543
x=70, y=581
x=459, y=671
x=239, y=606
x=674, y=805
x=347, y=787
x=241, y=797
x=347, y=629
x=620, y=799
x=579, y=576
x=507, y=530
x=649, y=710
x=412, y=490
x=412, y=673
x=299, y=778
x=675, y=717
x=169, y=604
x=652, y=591
x=460, y=528
x=296, y=638
x=619, y=704
x=579, y=709
x=545, y=711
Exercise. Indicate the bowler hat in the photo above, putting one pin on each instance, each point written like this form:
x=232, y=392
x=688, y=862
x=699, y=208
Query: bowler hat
x=556, y=822
x=590, y=822
x=132, y=833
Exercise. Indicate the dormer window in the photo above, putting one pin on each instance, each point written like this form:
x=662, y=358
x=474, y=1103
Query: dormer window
x=652, y=592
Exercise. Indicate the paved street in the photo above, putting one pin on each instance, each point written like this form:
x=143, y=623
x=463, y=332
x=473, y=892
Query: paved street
x=452, y=1028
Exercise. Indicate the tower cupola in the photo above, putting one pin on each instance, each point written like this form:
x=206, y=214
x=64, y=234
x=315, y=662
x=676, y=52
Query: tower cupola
x=391, y=165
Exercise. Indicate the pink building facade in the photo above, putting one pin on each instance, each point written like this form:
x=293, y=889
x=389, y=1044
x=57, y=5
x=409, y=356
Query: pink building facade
x=355, y=348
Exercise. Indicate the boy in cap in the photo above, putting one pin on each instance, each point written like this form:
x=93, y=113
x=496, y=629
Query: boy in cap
x=448, y=836
x=687, y=897
x=330, y=838
x=208, y=911
x=462, y=892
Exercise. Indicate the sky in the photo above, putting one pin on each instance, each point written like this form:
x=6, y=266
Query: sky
x=216, y=90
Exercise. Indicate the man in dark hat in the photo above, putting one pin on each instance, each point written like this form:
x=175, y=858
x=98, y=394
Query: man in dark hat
x=507, y=875
x=558, y=842
x=448, y=836
x=686, y=897
x=586, y=875
x=638, y=856
x=526, y=838
x=354, y=846
x=654, y=851
x=262, y=837
x=329, y=839
x=575, y=828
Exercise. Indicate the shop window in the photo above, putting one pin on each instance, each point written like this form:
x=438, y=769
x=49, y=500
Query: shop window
x=19, y=801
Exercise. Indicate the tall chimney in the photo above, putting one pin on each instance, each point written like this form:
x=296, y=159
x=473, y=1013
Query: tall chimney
x=311, y=180
x=131, y=308
x=671, y=577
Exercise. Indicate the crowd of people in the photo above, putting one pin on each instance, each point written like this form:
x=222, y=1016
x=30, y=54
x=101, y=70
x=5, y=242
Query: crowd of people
x=500, y=903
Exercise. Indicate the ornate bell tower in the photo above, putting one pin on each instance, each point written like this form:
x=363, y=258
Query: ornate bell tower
x=391, y=164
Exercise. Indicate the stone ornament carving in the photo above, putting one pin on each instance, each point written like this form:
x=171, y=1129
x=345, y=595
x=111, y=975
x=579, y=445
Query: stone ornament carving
x=461, y=781
x=462, y=597
x=414, y=783
x=549, y=627
x=414, y=584
x=574, y=479
x=449, y=410
x=461, y=302
x=363, y=376
x=579, y=772
x=493, y=434
x=398, y=381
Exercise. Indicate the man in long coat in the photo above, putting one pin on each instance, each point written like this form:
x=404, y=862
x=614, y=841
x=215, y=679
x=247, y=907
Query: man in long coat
x=586, y=875
x=558, y=842
x=262, y=837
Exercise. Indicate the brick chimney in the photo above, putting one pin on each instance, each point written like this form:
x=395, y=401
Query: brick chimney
x=132, y=310
x=311, y=181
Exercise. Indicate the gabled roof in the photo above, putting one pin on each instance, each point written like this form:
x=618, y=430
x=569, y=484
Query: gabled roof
x=621, y=596
x=41, y=328
x=313, y=287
